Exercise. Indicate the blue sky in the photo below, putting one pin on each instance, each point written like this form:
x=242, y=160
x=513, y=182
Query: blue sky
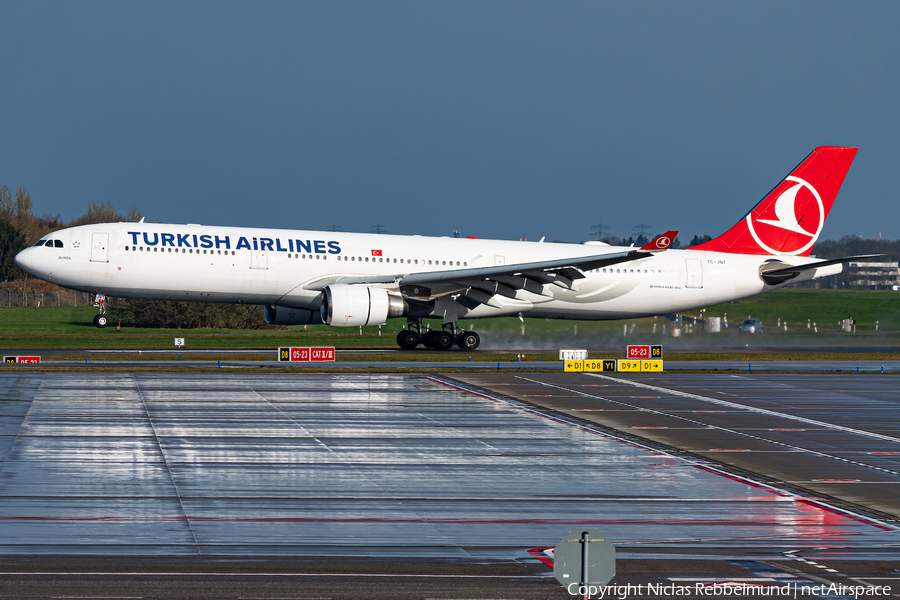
x=501, y=119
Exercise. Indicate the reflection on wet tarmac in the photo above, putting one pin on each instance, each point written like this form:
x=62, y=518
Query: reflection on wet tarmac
x=352, y=465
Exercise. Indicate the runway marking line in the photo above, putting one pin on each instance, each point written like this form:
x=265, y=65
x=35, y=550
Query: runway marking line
x=709, y=426
x=785, y=494
x=763, y=411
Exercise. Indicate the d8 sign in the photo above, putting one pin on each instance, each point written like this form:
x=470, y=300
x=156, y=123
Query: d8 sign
x=638, y=352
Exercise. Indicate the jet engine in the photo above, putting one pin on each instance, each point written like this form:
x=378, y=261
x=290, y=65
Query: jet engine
x=354, y=305
x=284, y=315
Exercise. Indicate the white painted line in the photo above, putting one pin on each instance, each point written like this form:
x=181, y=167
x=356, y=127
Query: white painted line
x=761, y=411
x=674, y=415
x=560, y=418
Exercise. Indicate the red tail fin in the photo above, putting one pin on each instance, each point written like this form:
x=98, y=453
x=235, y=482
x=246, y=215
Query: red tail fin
x=790, y=218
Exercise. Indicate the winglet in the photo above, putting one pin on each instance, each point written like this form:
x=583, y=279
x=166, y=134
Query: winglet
x=660, y=242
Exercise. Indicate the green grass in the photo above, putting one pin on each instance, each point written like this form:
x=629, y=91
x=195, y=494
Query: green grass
x=71, y=327
x=825, y=307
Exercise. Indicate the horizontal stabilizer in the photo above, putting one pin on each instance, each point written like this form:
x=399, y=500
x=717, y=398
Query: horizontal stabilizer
x=782, y=274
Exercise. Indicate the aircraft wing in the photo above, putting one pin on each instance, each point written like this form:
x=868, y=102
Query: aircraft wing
x=485, y=282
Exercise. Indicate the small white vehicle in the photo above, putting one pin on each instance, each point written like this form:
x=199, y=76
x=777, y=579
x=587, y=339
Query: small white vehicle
x=750, y=326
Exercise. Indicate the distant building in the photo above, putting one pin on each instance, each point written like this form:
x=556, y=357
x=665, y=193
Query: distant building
x=873, y=275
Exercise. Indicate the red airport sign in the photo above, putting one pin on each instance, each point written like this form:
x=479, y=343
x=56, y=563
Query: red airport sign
x=643, y=352
x=316, y=354
x=638, y=352
x=321, y=354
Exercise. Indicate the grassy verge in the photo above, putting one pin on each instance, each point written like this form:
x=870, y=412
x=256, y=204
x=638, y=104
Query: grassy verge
x=71, y=327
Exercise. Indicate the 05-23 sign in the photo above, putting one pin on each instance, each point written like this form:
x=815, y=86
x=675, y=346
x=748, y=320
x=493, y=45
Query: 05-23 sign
x=643, y=351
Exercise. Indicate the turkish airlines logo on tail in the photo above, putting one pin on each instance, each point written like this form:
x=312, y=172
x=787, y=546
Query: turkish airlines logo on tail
x=793, y=222
x=663, y=242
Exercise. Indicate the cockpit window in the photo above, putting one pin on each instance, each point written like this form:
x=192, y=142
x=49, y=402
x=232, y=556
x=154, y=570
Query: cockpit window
x=39, y=243
x=58, y=243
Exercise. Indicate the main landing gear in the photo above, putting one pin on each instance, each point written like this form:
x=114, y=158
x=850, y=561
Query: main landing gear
x=439, y=339
x=99, y=302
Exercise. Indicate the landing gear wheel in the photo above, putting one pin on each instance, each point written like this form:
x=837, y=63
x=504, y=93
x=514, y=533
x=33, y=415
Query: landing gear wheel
x=442, y=340
x=408, y=339
x=468, y=340
x=101, y=321
x=428, y=339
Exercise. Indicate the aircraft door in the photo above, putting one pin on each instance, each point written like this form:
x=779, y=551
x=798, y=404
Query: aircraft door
x=694, y=269
x=100, y=247
x=259, y=259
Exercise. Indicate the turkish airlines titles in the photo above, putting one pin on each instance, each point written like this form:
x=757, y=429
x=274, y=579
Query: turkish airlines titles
x=193, y=240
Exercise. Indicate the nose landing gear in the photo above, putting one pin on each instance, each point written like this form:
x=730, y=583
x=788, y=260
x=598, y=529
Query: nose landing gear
x=438, y=339
x=98, y=301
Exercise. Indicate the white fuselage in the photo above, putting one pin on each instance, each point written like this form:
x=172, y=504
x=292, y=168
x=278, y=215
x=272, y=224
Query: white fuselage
x=290, y=268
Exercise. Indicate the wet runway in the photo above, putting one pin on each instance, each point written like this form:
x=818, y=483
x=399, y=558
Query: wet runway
x=371, y=466
x=834, y=435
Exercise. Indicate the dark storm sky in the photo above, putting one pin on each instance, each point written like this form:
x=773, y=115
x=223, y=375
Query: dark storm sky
x=502, y=119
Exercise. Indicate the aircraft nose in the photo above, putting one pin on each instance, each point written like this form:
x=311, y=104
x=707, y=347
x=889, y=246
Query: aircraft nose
x=26, y=260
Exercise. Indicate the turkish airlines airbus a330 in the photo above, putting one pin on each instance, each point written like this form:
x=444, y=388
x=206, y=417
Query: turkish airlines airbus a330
x=351, y=279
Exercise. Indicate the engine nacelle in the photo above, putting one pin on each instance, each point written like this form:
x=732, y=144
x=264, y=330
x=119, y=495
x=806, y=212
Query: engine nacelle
x=284, y=315
x=354, y=305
